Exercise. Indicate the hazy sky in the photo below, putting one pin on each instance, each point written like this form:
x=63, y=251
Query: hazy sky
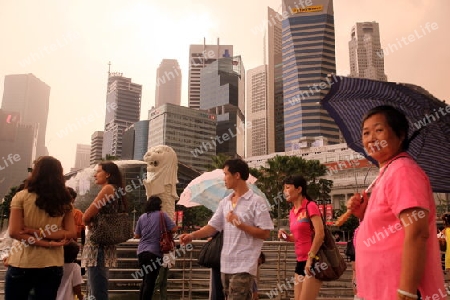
x=68, y=44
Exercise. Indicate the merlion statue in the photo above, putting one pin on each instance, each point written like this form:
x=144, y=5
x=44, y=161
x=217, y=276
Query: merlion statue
x=162, y=169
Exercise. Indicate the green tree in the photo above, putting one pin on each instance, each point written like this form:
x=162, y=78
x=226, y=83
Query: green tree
x=110, y=157
x=270, y=180
x=351, y=224
x=217, y=161
x=6, y=203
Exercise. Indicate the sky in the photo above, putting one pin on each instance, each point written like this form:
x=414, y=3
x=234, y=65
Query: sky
x=68, y=44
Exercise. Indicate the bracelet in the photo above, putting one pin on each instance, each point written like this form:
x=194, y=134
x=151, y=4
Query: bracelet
x=407, y=295
x=41, y=232
x=312, y=255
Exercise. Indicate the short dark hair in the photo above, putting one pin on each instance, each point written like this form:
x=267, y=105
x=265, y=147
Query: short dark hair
x=153, y=204
x=395, y=118
x=71, y=252
x=298, y=181
x=237, y=165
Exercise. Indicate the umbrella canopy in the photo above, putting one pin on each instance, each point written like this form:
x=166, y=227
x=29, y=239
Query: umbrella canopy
x=217, y=174
x=210, y=192
x=429, y=120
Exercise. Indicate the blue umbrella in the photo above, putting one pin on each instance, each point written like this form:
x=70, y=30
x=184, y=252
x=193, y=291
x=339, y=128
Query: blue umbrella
x=429, y=120
x=210, y=192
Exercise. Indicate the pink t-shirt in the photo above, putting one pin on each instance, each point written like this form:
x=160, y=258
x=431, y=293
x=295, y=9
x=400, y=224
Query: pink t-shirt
x=300, y=228
x=379, y=242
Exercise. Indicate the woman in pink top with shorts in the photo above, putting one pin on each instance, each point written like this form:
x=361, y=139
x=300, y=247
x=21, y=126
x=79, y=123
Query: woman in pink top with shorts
x=397, y=255
x=306, y=286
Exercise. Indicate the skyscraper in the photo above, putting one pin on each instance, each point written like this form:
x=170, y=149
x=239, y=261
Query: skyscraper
x=29, y=96
x=308, y=58
x=366, y=54
x=275, y=107
x=17, y=152
x=168, y=83
x=222, y=93
x=96, y=147
x=257, y=113
x=190, y=132
x=82, y=156
x=123, y=106
x=199, y=57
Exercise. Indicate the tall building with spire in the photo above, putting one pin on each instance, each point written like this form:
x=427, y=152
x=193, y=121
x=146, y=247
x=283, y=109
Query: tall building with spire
x=366, y=54
x=168, y=83
x=123, y=107
x=199, y=57
x=308, y=58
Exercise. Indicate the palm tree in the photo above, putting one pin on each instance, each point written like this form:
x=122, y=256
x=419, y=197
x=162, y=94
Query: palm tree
x=270, y=180
x=217, y=161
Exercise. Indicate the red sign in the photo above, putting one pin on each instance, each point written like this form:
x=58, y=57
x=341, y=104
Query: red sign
x=179, y=218
x=322, y=213
x=329, y=211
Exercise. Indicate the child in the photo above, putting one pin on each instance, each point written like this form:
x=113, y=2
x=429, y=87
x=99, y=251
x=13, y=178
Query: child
x=71, y=280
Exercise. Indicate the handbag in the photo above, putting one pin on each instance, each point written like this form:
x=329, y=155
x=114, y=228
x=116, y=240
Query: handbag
x=329, y=264
x=112, y=226
x=166, y=242
x=209, y=255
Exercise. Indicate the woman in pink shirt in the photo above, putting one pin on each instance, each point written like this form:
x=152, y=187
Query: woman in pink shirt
x=306, y=286
x=397, y=255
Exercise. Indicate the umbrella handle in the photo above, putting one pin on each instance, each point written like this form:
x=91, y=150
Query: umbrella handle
x=343, y=218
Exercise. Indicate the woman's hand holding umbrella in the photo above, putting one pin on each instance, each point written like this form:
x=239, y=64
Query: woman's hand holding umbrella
x=356, y=206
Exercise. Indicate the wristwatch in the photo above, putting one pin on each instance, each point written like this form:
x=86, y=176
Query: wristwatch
x=312, y=255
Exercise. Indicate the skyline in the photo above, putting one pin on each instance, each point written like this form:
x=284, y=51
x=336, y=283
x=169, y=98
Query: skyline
x=70, y=49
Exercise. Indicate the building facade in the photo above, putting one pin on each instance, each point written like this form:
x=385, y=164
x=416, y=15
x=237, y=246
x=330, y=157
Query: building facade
x=366, y=54
x=29, y=96
x=141, y=129
x=96, y=147
x=222, y=92
x=16, y=157
x=199, y=57
x=275, y=106
x=190, y=132
x=82, y=156
x=128, y=143
x=257, y=112
x=168, y=83
x=308, y=58
x=123, y=106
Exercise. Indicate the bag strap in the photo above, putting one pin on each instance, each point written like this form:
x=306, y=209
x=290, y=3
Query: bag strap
x=162, y=222
x=309, y=217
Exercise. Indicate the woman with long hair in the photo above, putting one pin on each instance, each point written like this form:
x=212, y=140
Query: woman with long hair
x=41, y=222
x=148, y=230
x=97, y=259
x=304, y=212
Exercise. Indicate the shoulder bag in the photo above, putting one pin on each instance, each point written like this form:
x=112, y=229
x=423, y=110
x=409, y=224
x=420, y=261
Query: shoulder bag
x=166, y=242
x=209, y=255
x=113, y=225
x=329, y=261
